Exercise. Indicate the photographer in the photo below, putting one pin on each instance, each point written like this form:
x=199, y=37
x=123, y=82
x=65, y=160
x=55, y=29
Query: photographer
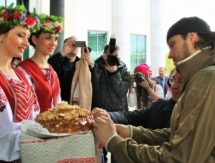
x=110, y=84
x=146, y=90
x=64, y=63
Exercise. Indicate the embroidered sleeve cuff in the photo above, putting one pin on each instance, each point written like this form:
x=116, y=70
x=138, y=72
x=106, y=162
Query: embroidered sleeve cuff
x=109, y=140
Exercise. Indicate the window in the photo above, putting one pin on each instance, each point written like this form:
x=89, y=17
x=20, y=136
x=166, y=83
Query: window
x=8, y=2
x=97, y=41
x=138, y=50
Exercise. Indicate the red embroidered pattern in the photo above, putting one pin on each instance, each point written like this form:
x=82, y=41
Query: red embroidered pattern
x=36, y=104
x=3, y=100
x=25, y=99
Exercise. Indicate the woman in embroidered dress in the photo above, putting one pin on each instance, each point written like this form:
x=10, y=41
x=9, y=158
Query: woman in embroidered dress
x=18, y=101
x=42, y=75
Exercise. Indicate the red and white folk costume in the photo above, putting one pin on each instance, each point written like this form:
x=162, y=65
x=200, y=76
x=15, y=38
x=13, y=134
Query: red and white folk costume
x=45, y=82
x=18, y=102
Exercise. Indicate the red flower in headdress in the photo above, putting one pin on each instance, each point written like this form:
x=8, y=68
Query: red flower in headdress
x=5, y=15
x=57, y=29
x=16, y=15
x=30, y=21
x=48, y=21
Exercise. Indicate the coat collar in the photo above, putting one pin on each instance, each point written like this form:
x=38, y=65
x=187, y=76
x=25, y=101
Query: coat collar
x=197, y=61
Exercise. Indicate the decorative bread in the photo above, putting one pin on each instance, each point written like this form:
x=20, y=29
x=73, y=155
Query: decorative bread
x=66, y=118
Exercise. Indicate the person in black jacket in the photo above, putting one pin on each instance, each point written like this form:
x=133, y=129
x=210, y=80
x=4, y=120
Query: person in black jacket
x=63, y=63
x=155, y=116
x=110, y=83
x=110, y=86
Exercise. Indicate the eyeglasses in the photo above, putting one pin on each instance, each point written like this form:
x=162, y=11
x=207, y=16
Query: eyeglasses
x=173, y=81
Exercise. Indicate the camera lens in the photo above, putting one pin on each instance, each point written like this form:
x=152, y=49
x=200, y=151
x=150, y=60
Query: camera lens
x=139, y=78
x=112, y=60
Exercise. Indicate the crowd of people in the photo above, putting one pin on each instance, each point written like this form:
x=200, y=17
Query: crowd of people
x=173, y=116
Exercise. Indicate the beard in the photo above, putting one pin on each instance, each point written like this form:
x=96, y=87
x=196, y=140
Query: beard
x=185, y=51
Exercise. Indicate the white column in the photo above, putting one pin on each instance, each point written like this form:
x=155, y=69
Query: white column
x=37, y=4
x=119, y=29
x=157, y=36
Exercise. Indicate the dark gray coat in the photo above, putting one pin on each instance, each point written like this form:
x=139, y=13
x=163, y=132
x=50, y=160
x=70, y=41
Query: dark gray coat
x=110, y=89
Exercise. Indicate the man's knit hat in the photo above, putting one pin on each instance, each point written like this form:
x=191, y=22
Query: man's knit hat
x=190, y=24
x=143, y=68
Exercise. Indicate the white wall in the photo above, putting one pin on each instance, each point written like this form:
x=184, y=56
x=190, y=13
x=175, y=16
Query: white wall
x=82, y=16
x=157, y=42
x=121, y=17
x=139, y=22
x=107, y=15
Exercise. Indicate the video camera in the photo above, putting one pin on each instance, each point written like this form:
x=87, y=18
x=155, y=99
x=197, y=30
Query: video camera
x=112, y=60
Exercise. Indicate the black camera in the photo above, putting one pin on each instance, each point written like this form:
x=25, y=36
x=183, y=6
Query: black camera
x=139, y=77
x=112, y=60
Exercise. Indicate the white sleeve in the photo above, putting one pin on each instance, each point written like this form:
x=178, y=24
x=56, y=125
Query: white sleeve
x=132, y=99
x=168, y=94
x=9, y=131
x=9, y=146
x=159, y=90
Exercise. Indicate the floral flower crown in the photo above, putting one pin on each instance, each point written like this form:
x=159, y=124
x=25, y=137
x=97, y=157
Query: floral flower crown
x=51, y=24
x=18, y=16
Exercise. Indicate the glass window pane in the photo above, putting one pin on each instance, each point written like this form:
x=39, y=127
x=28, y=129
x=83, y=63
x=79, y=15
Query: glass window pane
x=138, y=50
x=2, y=2
x=133, y=61
x=7, y=2
x=11, y=1
x=102, y=41
x=133, y=43
x=140, y=45
x=92, y=41
x=97, y=41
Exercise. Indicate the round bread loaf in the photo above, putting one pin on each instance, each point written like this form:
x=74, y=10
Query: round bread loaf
x=66, y=118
